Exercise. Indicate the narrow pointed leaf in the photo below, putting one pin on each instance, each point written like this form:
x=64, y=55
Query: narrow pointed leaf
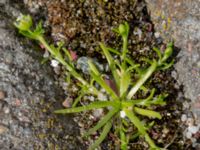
x=135, y=120
x=124, y=82
x=94, y=105
x=102, y=122
x=151, y=143
x=148, y=113
x=103, y=135
x=142, y=79
x=93, y=67
x=158, y=52
x=76, y=101
x=113, y=51
x=167, y=65
x=111, y=63
x=124, y=140
x=103, y=84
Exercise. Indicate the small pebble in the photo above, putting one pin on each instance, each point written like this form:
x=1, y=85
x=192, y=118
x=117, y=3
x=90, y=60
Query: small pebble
x=91, y=98
x=3, y=129
x=98, y=113
x=46, y=54
x=6, y=109
x=138, y=32
x=54, y=63
x=2, y=95
x=102, y=97
x=184, y=117
x=57, y=70
x=67, y=102
x=17, y=102
x=122, y=114
x=157, y=34
x=188, y=135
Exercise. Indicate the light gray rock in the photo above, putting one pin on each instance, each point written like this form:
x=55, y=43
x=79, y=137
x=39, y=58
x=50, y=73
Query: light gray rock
x=179, y=21
x=26, y=123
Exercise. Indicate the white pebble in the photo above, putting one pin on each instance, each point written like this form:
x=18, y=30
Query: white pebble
x=91, y=98
x=54, y=63
x=188, y=135
x=122, y=114
x=98, y=113
x=102, y=97
x=46, y=54
x=6, y=110
x=157, y=34
x=193, y=129
x=184, y=117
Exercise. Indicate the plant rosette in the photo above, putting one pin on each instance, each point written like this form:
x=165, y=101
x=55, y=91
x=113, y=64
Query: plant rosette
x=121, y=107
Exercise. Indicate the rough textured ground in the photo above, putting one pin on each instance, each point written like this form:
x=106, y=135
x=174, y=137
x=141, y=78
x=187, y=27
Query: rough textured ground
x=28, y=95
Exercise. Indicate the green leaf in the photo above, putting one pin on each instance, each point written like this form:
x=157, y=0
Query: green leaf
x=113, y=51
x=102, y=122
x=67, y=53
x=103, y=135
x=142, y=79
x=144, y=102
x=151, y=143
x=101, y=82
x=167, y=65
x=159, y=100
x=124, y=140
x=93, y=68
x=94, y=105
x=148, y=113
x=158, y=52
x=125, y=80
x=111, y=63
x=168, y=52
x=135, y=120
x=39, y=31
x=78, y=99
x=27, y=34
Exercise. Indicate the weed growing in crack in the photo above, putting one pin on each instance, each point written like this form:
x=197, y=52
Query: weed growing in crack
x=122, y=107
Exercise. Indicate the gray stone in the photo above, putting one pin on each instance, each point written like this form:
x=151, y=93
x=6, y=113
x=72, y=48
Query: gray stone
x=179, y=21
x=82, y=63
x=26, y=123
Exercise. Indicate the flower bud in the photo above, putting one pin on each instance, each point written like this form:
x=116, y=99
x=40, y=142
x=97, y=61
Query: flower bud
x=122, y=29
x=23, y=22
x=168, y=52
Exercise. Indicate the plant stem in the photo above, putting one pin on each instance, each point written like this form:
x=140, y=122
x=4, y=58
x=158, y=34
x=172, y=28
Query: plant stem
x=63, y=62
x=142, y=79
x=124, y=50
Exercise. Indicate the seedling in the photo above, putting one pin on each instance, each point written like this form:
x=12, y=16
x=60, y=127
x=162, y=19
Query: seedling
x=122, y=108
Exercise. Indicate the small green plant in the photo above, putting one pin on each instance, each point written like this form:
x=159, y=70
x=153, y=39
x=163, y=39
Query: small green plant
x=122, y=108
